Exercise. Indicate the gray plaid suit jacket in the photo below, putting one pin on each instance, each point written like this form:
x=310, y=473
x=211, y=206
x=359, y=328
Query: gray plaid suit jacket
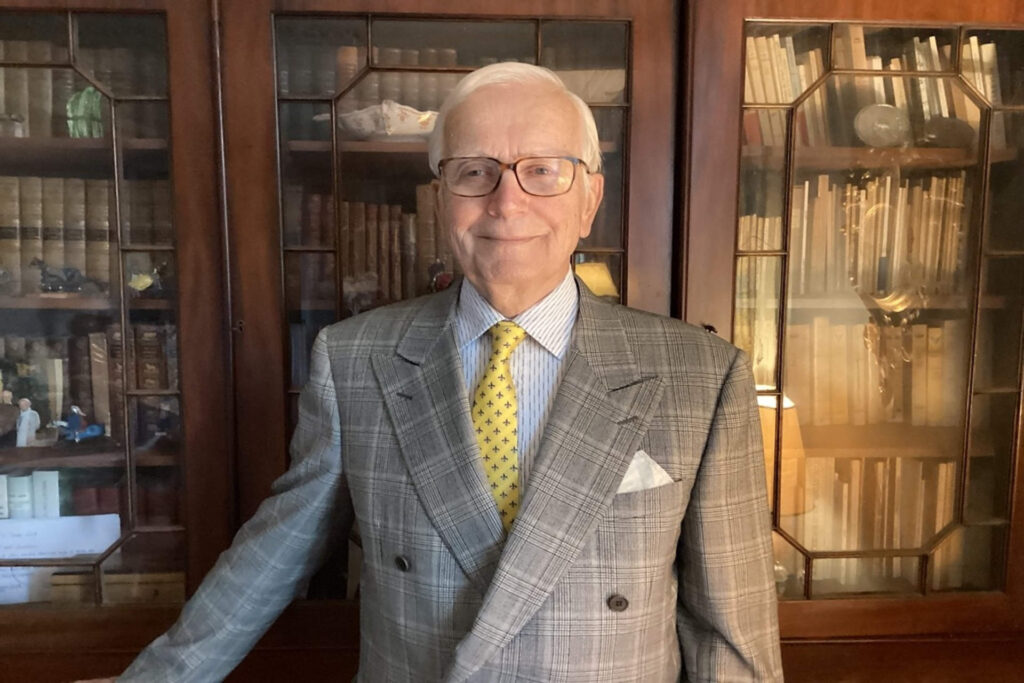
x=384, y=432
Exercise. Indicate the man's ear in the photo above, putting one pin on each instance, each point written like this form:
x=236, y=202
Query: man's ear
x=594, y=193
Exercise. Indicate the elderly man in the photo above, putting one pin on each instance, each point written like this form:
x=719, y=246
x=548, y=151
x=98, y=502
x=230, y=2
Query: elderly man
x=548, y=487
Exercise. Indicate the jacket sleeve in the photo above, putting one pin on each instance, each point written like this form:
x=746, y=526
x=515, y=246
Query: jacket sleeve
x=727, y=615
x=272, y=556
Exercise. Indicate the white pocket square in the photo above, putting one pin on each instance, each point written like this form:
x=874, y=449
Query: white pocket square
x=643, y=473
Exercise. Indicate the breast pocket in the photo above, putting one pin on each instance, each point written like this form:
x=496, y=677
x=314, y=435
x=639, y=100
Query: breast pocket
x=664, y=502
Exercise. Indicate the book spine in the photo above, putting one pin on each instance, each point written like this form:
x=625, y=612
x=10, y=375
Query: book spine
x=97, y=230
x=40, y=91
x=10, y=236
x=115, y=350
x=45, y=494
x=19, y=497
x=150, y=366
x=74, y=224
x=53, y=222
x=31, y=207
x=395, y=227
x=409, y=256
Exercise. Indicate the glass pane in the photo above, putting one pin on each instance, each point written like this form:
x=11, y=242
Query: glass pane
x=782, y=61
x=766, y=409
x=590, y=57
x=970, y=558
x=154, y=352
x=452, y=43
x=387, y=106
x=789, y=569
x=991, y=456
x=1006, y=183
x=158, y=478
x=149, y=568
x=852, y=575
x=893, y=49
x=991, y=62
x=997, y=357
x=151, y=279
x=891, y=112
x=45, y=584
x=602, y=273
x=125, y=54
x=607, y=230
x=318, y=56
x=756, y=328
x=762, y=195
x=310, y=293
x=33, y=37
x=302, y=123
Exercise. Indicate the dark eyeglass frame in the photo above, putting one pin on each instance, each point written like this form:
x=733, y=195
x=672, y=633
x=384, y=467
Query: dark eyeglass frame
x=512, y=166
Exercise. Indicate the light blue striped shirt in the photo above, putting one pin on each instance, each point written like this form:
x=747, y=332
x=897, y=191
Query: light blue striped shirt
x=537, y=363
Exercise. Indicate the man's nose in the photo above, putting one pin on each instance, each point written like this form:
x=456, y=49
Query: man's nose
x=508, y=197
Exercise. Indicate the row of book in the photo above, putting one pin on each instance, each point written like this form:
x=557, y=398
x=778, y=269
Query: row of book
x=86, y=370
x=778, y=70
x=382, y=253
x=854, y=503
x=49, y=494
x=877, y=236
x=863, y=374
x=48, y=225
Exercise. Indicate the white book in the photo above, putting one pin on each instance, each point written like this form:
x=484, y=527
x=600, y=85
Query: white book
x=839, y=402
x=4, y=512
x=821, y=354
x=857, y=360
x=45, y=494
x=40, y=92
x=919, y=374
x=936, y=84
x=954, y=371
x=990, y=79
x=19, y=497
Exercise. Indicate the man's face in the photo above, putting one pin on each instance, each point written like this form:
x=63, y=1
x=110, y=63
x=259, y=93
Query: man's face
x=510, y=238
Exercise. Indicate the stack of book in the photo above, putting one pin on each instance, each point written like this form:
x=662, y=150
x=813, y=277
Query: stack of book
x=855, y=503
x=879, y=235
x=860, y=374
x=61, y=222
x=385, y=254
x=86, y=371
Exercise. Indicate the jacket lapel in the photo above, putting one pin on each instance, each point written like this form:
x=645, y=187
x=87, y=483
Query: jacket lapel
x=423, y=390
x=601, y=411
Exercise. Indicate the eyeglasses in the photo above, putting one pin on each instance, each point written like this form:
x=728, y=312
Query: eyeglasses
x=539, y=176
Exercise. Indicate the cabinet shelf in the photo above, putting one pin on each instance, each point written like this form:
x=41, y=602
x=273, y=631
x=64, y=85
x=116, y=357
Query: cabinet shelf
x=75, y=302
x=75, y=156
x=418, y=147
x=827, y=159
x=888, y=440
x=79, y=457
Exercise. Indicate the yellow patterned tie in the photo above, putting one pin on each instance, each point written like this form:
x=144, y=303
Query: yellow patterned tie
x=495, y=419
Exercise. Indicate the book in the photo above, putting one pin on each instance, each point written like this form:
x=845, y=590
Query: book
x=40, y=91
x=935, y=401
x=919, y=374
x=19, y=497
x=395, y=257
x=99, y=370
x=821, y=356
x=839, y=396
x=74, y=224
x=30, y=203
x=10, y=237
x=150, y=358
x=53, y=222
x=45, y=494
x=97, y=230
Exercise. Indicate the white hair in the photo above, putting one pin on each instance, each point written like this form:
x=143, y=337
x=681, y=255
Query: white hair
x=514, y=72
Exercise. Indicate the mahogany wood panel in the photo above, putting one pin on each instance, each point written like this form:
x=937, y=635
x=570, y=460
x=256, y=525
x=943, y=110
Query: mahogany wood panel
x=902, y=661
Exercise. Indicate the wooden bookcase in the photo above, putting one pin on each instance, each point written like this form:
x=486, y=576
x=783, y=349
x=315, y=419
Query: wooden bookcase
x=899, y=631
x=158, y=136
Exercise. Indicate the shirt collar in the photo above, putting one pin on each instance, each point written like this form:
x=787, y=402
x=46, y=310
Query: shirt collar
x=549, y=322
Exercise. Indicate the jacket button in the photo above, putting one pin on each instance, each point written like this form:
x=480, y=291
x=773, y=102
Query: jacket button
x=402, y=562
x=617, y=603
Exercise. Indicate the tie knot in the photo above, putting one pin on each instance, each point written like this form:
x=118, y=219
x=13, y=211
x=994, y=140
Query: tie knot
x=505, y=336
